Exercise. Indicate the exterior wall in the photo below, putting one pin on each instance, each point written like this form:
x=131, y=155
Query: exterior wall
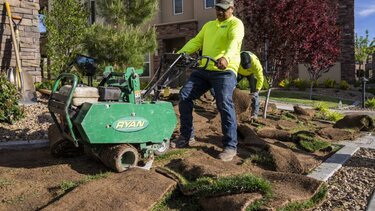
x=203, y=15
x=333, y=74
x=192, y=10
x=166, y=10
x=29, y=37
x=177, y=28
x=184, y=30
x=346, y=21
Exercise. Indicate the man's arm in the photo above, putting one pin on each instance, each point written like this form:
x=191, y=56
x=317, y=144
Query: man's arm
x=258, y=73
x=235, y=37
x=194, y=44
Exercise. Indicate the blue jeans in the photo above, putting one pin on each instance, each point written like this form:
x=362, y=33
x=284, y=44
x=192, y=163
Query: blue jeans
x=201, y=81
x=255, y=100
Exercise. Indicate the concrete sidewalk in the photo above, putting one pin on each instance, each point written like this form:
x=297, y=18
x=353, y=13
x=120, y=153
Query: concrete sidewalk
x=346, y=111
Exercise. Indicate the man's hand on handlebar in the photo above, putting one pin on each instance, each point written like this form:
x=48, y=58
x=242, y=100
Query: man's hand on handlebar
x=222, y=63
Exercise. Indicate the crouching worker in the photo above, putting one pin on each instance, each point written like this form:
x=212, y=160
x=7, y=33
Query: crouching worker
x=221, y=40
x=251, y=69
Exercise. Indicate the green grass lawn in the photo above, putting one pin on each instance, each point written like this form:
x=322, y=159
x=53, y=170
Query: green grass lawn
x=302, y=98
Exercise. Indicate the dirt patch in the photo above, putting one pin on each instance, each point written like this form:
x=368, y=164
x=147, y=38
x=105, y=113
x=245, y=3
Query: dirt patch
x=249, y=136
x=34, y=177
x=285, y=160
x=267, y=122
x=134, y=190
x=231, y=202
x=203, y=163
x=286, y=124
x=241, y=101
x=290, y=187
x=356, y=122
x=304, y=112
x=272, y=133
x=336, y=134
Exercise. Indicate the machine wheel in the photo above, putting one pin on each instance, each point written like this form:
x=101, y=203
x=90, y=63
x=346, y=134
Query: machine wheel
x=164, y=147
x=119, y=157
x=59, y=146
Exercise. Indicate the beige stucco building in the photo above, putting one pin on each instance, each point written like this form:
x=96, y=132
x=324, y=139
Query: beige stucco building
x=177, y=21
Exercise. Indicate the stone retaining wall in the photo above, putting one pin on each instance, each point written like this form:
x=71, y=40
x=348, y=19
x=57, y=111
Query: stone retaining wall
x=29, y=37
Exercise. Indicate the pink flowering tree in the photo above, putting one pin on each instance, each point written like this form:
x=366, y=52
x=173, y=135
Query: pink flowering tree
x=298, y=31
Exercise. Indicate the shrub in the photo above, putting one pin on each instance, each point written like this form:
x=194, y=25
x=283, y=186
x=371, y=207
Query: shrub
x=315, y=83
x=144, y=84
x=285, y=84
x=10, y=111
x=45, y=84
x=371, y=90
x=370, y=103
x=243, y=84
x=334, y=116
x=266, y=84
x=300, y=84
x=326, y=114
x=344, y=85
x=320, y=106
x=329, y=83
x=357, y=84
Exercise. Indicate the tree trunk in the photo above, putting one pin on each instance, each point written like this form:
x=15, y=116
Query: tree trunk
x=311, y=89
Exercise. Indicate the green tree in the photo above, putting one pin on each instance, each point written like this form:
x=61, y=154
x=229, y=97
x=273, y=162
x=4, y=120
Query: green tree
x=121, y=38
x=364, y=48
x=66, y=27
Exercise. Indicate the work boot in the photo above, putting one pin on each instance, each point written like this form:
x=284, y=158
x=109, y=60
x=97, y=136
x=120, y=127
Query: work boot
x=227, y=154
x=182, y=142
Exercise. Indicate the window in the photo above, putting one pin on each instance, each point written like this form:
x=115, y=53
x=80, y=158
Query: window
x=209, y=4
x=42, y=26
x=146, y=66
x=178, y=7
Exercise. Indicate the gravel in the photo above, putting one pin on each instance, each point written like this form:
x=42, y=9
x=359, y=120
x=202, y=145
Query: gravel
x=352, y=186
x=33, y=126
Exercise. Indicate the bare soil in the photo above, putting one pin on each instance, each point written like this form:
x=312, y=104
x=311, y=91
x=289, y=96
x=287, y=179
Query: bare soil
x=33, y=179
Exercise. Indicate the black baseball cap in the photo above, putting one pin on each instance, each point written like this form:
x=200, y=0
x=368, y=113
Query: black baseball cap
x=245, y=60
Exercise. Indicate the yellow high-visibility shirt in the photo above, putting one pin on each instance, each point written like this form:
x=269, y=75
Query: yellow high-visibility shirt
x=255, y=68
x=219, y=39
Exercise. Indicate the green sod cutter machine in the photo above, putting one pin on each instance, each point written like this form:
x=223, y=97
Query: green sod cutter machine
x=114, y=122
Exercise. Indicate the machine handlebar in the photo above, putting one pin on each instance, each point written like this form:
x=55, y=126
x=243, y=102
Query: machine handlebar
x=171, y=67
x=195, y=61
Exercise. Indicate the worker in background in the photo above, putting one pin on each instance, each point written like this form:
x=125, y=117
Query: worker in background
x=251, y=69
x=220, y=39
